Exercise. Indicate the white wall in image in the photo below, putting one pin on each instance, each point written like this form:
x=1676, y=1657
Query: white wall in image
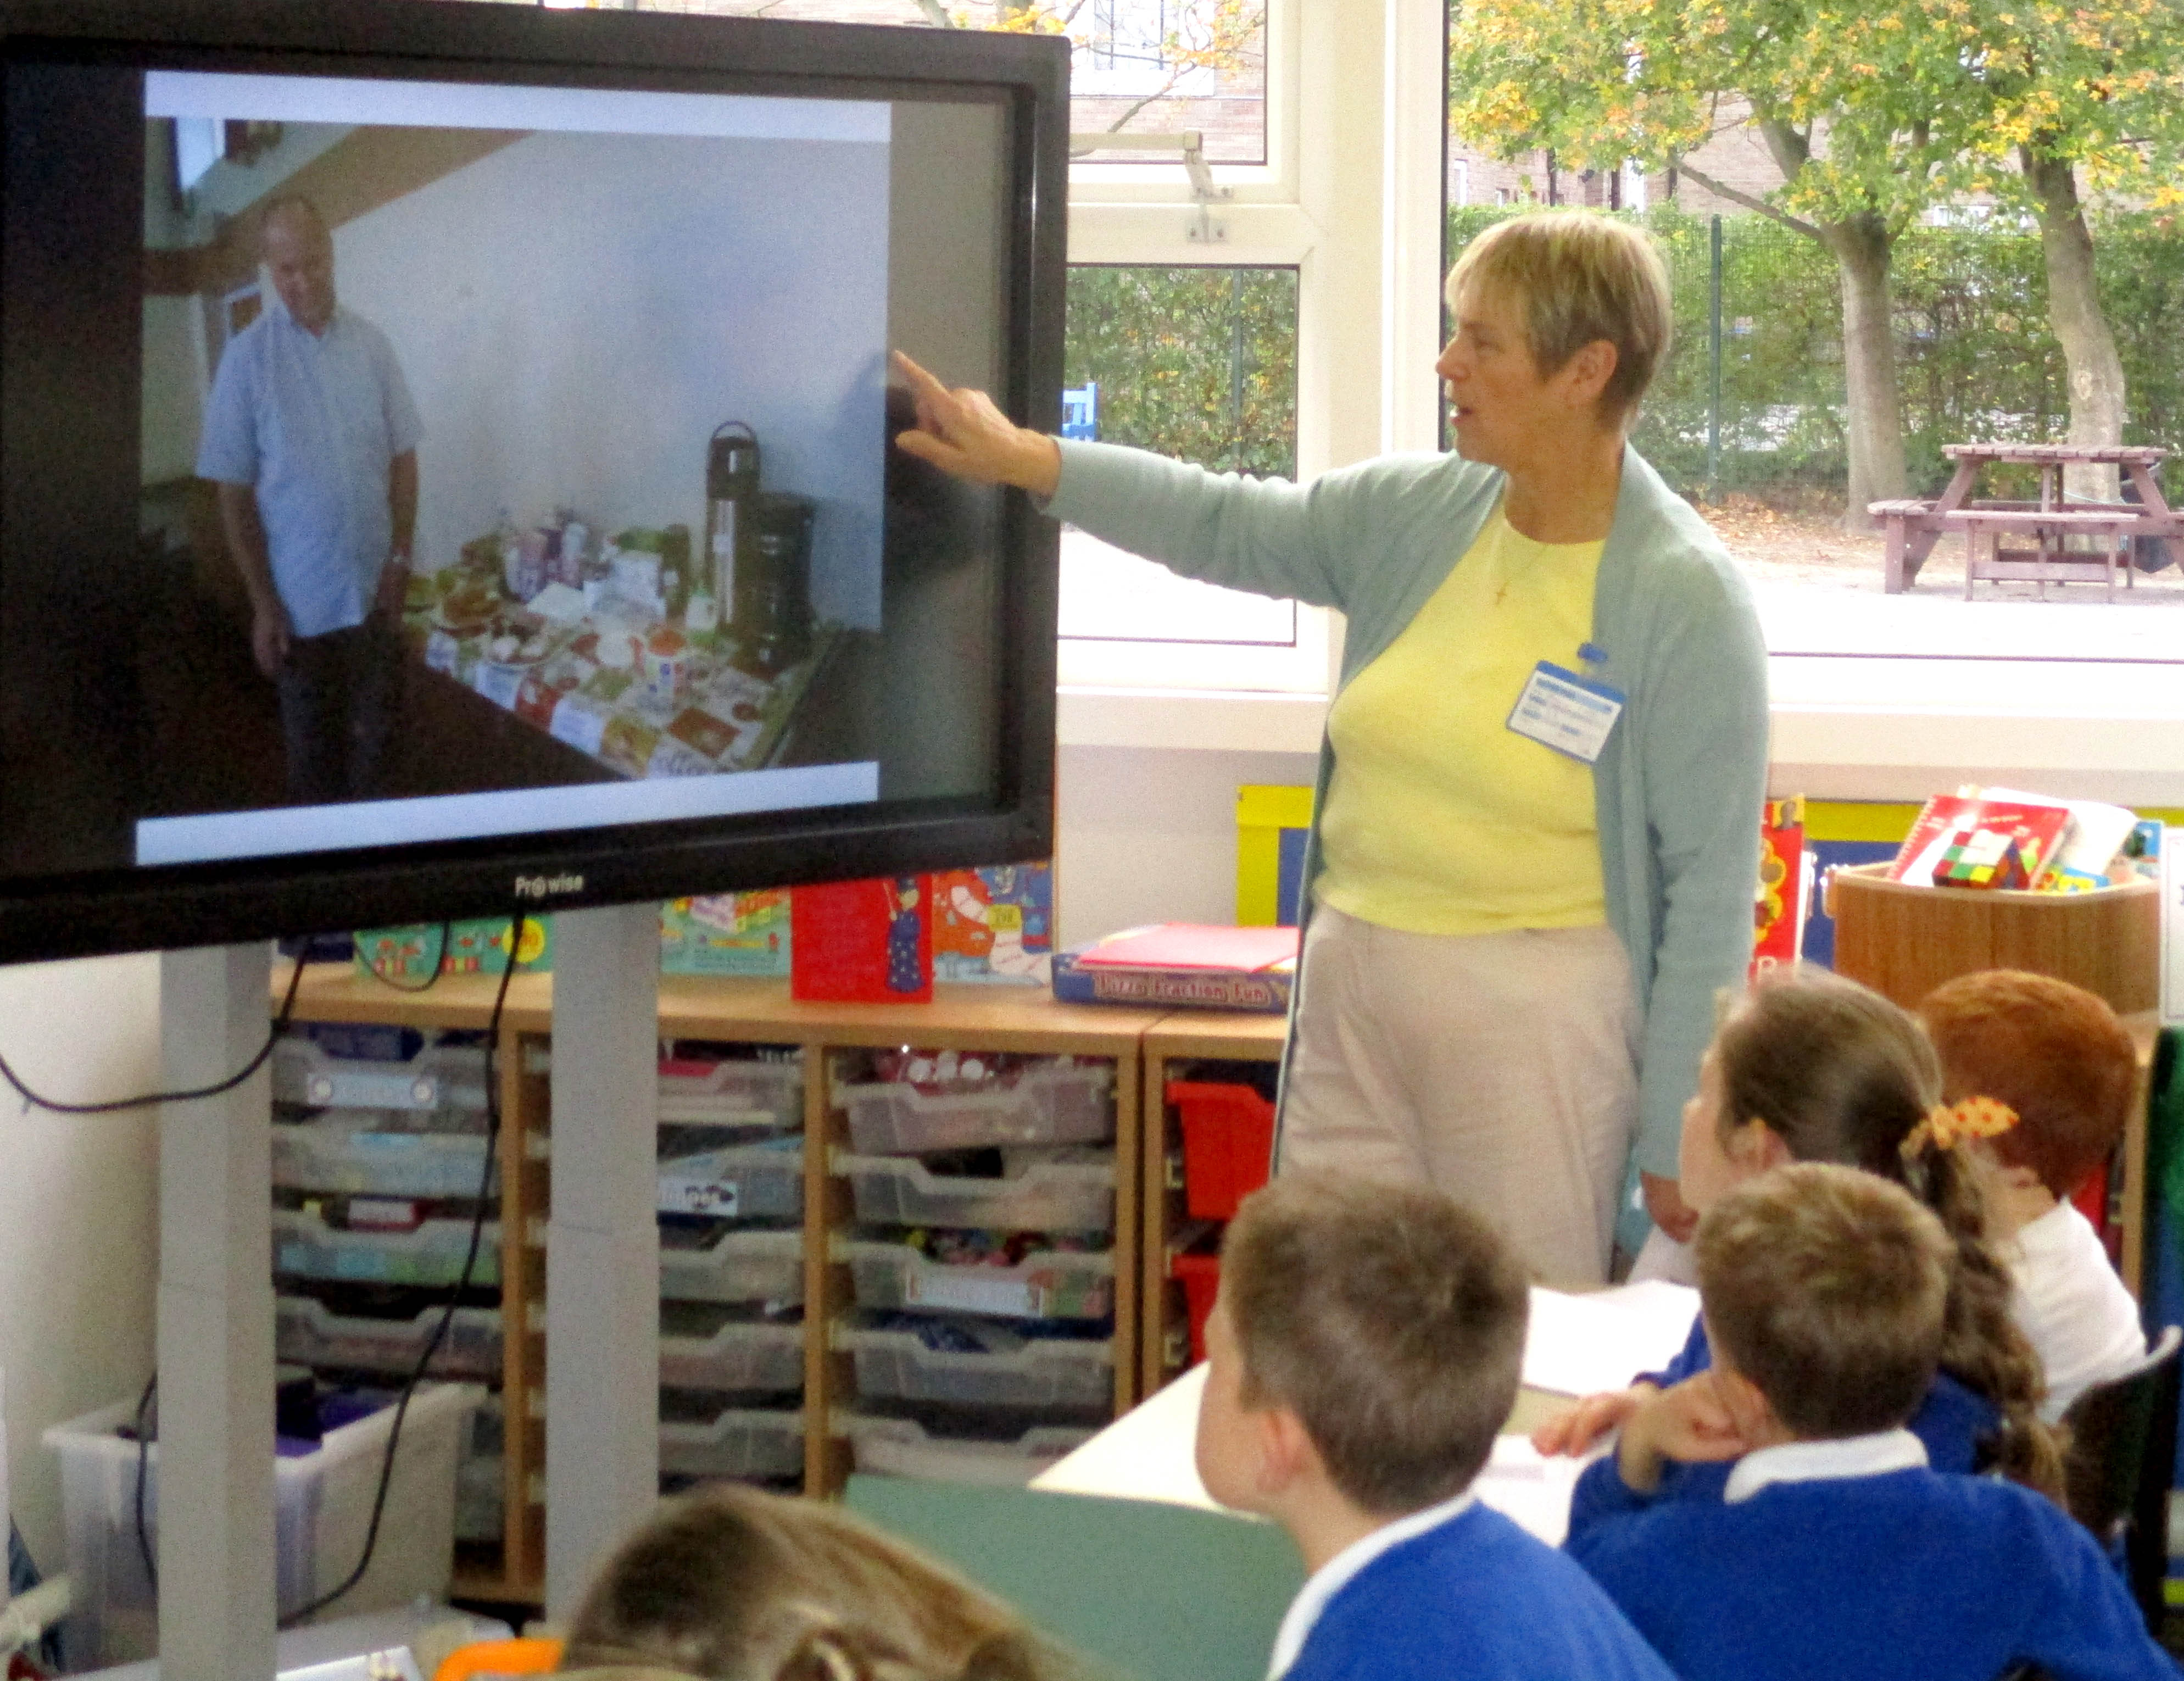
x=576, y=312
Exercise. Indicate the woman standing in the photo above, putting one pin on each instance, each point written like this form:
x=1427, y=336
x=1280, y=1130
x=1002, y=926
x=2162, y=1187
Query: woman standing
x=1536, y=842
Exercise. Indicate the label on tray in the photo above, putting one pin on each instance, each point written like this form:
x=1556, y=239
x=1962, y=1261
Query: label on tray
x=970, y=1289
x=382, y=1214
x=369, y=1088
x=696, y=1193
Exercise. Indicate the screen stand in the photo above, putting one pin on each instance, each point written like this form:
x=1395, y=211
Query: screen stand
x=215, y=1347
x=602, y=1243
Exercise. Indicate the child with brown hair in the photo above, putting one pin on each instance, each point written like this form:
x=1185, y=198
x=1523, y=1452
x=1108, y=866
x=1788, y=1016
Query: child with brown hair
x=1817, y=1068
x=1362, y=1355
x=1837, y=1550
x=731, y=1584
x=2061, y=1062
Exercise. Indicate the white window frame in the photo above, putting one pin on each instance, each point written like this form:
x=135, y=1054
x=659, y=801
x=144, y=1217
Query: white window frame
x=1351, y=198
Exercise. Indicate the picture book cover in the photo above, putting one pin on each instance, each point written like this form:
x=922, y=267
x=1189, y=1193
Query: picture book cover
x=993, y=925
x=728, y=933
x=2031, y=829
x=1783, y=895
x=867, y=941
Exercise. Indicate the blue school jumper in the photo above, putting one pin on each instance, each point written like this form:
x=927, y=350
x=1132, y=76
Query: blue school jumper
x=1475, y=1599
x=1950, y=1422
x=1906, y=1575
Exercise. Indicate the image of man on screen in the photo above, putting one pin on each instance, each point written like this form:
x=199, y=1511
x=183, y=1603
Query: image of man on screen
x=311, y=436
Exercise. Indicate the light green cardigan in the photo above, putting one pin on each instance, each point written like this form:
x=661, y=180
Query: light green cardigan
x=1676, y=792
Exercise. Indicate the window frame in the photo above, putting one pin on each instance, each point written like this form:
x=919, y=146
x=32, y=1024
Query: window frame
x=1351, y=198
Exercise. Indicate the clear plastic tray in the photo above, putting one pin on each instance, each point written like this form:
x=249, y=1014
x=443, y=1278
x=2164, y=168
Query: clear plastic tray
x=349, y=1153
x=309, y=1333
x=306, y=1247
x=898, y=1447
x=1040, y=1196
x=896, y=1366
x=704, y=1345
x=1051, y=1284
x=1046, y=1105
x=732, y=1092
x=731, y=1266
x=439, y=1076
x=744, y=1182
x=755, y=1442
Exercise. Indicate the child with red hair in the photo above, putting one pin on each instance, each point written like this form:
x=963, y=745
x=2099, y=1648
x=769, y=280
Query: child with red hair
x=2057, y=1057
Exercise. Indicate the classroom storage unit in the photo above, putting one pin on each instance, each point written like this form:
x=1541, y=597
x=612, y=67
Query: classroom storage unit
x=766, y=1355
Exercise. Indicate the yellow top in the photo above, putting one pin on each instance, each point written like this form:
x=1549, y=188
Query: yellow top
x=1440, y=819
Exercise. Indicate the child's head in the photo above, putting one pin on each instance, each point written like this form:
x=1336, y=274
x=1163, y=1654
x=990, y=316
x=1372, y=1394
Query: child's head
x=2053, y=1052
x=1812, y=1067
x=1808, y=1068
x=1382, y=1324
x=731, y=1584
x=1827, y=1288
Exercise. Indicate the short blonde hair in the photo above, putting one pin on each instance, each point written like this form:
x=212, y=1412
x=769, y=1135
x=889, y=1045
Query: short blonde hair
x=1579, y=277
x=1390, y=1320
x=1827, y=1286
x=732, y=1583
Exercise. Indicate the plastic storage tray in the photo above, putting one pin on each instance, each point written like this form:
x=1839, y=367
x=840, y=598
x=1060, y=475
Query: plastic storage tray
x=1051, y=1284
x=306, y=1247
x=752, y=1442
x=732, y=1093
x=351, y=1155
x=310, y=1333
x=896, y=1366
x=745, y=1181
x=322, y=1505
x=704, y=1345
x=898, y=1447
x=733, y=1266
x=1043, y=1196
x=438, y=1076
x=1045, y=1105
x=1228, y=1144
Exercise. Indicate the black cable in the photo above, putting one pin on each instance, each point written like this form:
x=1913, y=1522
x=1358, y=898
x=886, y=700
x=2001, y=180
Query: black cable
x=439, y=965
x=455, y=1300
x=143, y=1464
x=272, y=1038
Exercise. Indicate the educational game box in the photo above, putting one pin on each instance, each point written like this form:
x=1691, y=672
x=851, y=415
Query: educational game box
x=1183, y=965
x=728, y=933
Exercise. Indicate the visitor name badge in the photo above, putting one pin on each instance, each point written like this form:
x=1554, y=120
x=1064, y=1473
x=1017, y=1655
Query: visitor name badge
x=1570, y=714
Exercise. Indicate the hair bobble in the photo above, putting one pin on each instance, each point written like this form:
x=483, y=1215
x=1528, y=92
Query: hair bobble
x=1947, y=1125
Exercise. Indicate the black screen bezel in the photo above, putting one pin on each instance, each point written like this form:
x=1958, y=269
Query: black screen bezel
x=141, y=908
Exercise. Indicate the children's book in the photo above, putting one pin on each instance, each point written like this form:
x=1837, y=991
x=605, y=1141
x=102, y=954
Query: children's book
x=867, y=941
x=2016, y=837
x=1784, y=894
x=2098, y=832
x=1186, y=965
x=995, y=924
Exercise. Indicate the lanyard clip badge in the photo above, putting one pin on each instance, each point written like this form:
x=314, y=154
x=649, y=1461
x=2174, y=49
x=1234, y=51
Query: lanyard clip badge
x=1573, y=714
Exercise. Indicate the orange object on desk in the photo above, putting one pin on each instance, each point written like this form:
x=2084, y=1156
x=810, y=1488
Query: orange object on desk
x=483, y=1660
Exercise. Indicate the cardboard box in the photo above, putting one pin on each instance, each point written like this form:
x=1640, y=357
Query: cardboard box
x=1903, y=941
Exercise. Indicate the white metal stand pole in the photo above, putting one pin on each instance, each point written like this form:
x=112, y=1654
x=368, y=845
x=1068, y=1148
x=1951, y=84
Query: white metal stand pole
x=215, y=1464
x=602, y=1243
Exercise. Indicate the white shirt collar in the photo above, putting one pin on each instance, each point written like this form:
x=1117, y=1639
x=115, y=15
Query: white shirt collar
x=1818, y=1461
x=1333, y=1576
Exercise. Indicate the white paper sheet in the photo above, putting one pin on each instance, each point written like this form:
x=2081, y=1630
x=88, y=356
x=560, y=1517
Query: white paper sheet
x=1580, y=1344
x=1531, y=1491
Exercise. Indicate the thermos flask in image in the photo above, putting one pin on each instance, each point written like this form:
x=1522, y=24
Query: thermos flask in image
x=772, y=617
x=731, y=480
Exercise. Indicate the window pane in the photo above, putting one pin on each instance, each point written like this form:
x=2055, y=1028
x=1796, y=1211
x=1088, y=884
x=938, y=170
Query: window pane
x=1201, y=364
x=1143, y=66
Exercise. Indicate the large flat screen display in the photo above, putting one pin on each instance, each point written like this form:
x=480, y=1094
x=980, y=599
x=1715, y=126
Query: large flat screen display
x=446, y=461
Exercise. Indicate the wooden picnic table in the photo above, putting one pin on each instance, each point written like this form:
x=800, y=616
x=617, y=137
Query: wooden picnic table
x=1915, y=525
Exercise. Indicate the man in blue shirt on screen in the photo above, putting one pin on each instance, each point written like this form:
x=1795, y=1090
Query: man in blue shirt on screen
x=311, y=436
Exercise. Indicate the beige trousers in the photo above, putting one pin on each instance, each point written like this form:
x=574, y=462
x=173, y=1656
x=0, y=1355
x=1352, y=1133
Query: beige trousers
x=1499, y=1068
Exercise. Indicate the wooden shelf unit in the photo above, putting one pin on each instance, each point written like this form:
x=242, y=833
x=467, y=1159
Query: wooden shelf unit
x=757, y=1012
